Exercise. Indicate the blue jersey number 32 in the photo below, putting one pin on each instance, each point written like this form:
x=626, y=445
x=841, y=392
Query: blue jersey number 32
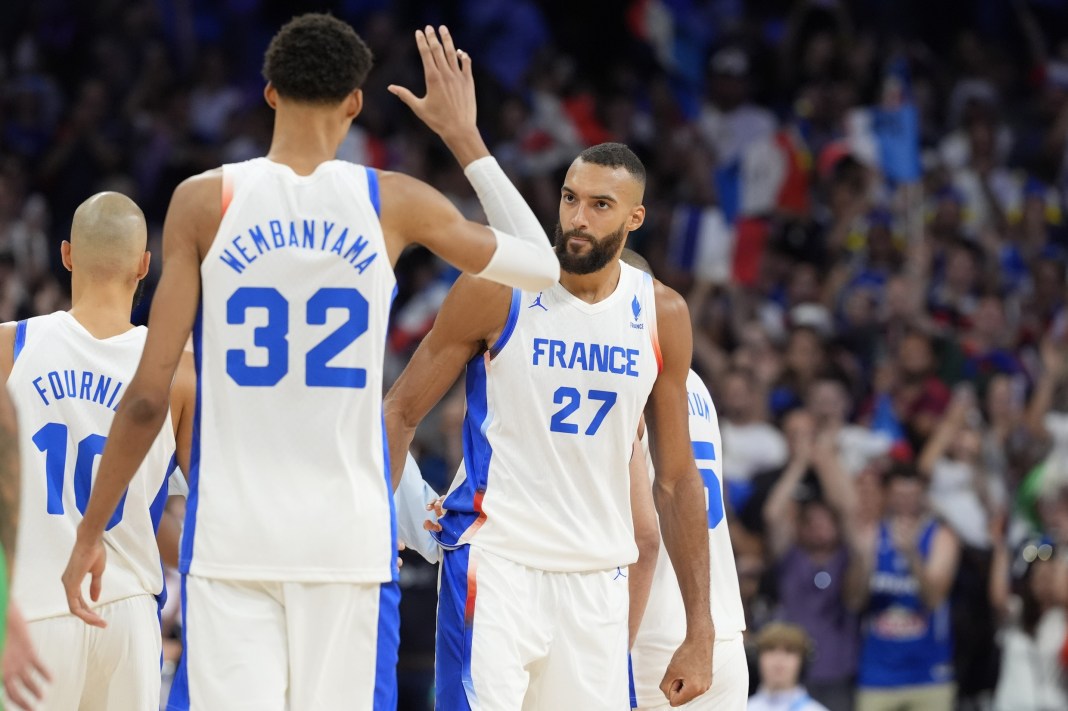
x=272, y=337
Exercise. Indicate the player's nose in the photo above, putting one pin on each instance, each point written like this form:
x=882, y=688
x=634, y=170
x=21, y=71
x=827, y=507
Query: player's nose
x=578, y=218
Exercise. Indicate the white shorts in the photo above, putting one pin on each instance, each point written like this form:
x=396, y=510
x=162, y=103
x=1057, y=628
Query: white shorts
x=730, y=679
x=116, y=667
x=511, y=637
x=272, y=646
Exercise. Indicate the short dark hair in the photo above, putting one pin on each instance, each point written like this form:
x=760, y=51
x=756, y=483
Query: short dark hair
x=615, y=155
x=316, y=59
x=904, y=471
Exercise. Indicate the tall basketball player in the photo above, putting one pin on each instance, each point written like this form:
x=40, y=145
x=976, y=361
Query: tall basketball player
x=67, y=372
x=539, y=523
x=662, y=628
x=282, y=267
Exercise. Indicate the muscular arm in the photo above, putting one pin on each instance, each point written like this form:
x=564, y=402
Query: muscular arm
x=470, y=319
x=677, y=489
x=192, y=219
x=183, y=403
x=516, y=253
x=647, y=537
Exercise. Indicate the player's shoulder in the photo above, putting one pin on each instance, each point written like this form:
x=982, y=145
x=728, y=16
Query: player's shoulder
x=669, y=303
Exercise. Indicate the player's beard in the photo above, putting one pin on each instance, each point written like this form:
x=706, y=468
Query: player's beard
x=600, y=253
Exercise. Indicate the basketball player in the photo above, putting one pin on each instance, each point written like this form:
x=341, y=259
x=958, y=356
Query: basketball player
x=661, y=628
x=539, y=523
x=67, y=372
x=285, y=266
x=9, y=522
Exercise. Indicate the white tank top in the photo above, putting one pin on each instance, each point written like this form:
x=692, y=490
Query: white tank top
x=290, y=476
x=664, y=624
x=66, y=385
x=552, y=413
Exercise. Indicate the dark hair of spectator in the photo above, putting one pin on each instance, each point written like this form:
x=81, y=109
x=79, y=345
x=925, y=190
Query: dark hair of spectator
x=316, y=59
x=615, y=155
x=902, y=470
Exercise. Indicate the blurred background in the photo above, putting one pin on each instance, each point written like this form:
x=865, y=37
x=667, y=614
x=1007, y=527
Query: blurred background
x=863, y=201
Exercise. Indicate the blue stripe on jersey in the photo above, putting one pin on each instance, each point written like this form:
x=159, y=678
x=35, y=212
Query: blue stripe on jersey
x=477, y=454
x=704, y=450
x=20, y=338
x=509, y=324
x=179, y=697
x=630, y=682
x=388, y=645
x=185, y=551
x=452, y=645
x=372, y=190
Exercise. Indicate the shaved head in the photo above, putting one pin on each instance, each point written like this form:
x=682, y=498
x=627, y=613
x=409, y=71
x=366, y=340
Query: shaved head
x=108, y=238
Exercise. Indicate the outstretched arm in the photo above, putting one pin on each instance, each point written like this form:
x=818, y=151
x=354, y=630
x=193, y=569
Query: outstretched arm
x=679, y=495
x=471, y=318
x=193, y=217
x=515, y=252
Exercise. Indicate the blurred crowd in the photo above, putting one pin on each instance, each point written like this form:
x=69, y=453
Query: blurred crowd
x=865, y=203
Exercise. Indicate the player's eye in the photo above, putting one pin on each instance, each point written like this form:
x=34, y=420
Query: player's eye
x=568, y=197
x=602, y=204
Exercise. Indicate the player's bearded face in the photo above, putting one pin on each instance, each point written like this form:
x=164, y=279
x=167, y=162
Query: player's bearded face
x=586, y=257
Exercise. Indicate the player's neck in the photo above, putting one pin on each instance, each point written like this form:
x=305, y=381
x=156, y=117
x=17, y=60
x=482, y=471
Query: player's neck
x=303, y=139
x=103, y=310
x=594, y=287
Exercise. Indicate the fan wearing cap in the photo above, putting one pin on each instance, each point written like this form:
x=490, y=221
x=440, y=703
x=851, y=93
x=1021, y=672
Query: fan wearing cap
x=783, y=650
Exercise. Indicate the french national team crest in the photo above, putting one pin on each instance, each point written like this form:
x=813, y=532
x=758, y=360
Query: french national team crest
x=636, y=309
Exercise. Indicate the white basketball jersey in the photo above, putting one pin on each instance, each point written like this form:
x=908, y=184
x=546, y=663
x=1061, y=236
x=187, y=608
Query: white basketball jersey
x=290, y=477
x=66, y=385
x=551, y=419
x=664, y=624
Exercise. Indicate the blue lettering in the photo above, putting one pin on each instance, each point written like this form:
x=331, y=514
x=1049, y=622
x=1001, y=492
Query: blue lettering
x=340, y=242
x=539, y=348
x=57, y=385
x=309, y=234
x=366, y=263
x=632, y=362
x=621, y=368
x=40, y=391
x=114, y=395
x=578, y=355
x=598, y=358
x=249, y=259
x=328, y=227
x=232, y=261
x=256, y=233
x=103, y=384
x=87, y=385
x=71, y=381
x=277, y=234
x=293, y=241
x=556, y=350
x=354, y=250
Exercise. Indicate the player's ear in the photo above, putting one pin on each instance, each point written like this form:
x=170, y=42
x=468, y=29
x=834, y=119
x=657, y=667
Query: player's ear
x=354, y=104
x=270, y=94
x=637, y=218
x=64, y=251
x=142, y=270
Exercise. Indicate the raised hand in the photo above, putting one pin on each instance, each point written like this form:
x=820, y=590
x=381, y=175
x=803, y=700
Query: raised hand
x=449, y=105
